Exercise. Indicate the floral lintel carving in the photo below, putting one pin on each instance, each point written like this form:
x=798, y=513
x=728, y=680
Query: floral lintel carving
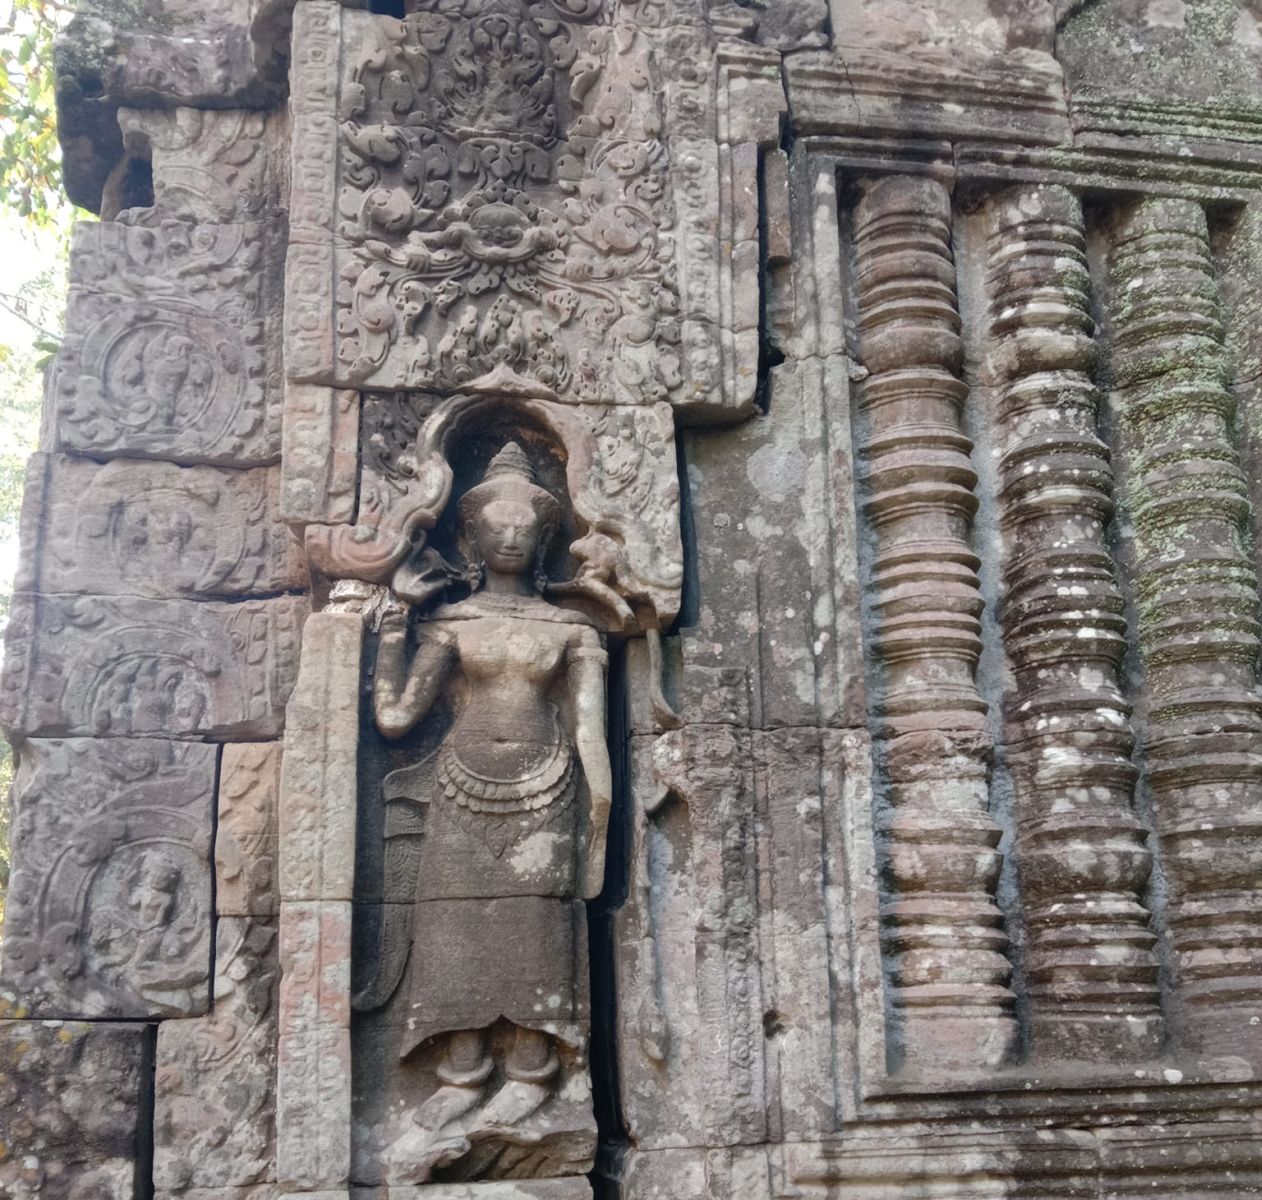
x=478, y=232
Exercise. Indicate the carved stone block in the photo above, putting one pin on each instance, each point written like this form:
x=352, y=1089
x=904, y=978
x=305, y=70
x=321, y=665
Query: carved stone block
x=309, y=271
x=71, y=1099
x=883, y=92
x=109, y=908
x=177, y=668
x=165, y=353
x=155, y=529
x=246, y=841
x=575, y=1188
x=320, y=463
x=313, y=1082
x=523, y=245
x=698, y=1174
x=214, y=1101
x=208, y=167
x=319, y=773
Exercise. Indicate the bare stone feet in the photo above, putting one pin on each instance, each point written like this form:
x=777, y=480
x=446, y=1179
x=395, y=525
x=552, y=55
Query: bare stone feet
x=430, y=1141
x=509, y=1107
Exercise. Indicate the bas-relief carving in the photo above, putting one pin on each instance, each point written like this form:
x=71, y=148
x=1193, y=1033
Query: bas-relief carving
x=246, y=837
x=215, y=1075
x=619, y=470
x=122, y=666
x=109, y=904
x=535, y=240
x=156, y=529
x=480, y=234
x=456, y=244
x=165, y=353
x=492, y=840
x=70, y=1109
x=208, y=167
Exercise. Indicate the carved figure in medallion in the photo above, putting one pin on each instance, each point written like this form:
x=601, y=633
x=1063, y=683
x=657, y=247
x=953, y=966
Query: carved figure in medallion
x=504, y=826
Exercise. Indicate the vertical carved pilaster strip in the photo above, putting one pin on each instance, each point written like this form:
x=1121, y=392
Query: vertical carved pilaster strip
x=1197, y=600
x=1082, y=855
x=942, y=931
x=318, y=789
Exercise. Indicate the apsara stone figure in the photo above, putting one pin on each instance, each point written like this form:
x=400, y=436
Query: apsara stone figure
x=511, y=812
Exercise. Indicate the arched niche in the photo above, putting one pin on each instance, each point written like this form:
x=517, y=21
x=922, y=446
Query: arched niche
x=613, y=468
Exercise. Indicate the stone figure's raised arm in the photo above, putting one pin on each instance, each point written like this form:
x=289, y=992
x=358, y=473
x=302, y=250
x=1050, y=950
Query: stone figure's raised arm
x=587, y=662
x=403, y=694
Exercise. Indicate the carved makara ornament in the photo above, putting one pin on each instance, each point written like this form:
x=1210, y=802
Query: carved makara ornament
x=496, y=836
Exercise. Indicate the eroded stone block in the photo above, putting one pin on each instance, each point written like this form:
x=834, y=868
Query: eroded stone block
x=208, y=167
x=574, y=1188
x=313, y=1082
x=165, y=355
x=320, y=464
x=214, y=1105
x=110, y=666
x=156, y=529
x=159, y=54
x=109, y=907
x=319, y=774
x=774, y=550
x=246, y=841
x=943, y=29
x=691, y=1051
x=70, y=1109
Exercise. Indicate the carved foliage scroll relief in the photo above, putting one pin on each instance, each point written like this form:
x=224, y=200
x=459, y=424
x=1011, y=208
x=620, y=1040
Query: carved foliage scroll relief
x=489, y=199
x=478, y=239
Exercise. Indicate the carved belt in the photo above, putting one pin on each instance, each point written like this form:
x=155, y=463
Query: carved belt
x=551, y=781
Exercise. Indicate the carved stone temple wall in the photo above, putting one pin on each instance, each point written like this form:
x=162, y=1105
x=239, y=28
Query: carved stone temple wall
x=645, y=599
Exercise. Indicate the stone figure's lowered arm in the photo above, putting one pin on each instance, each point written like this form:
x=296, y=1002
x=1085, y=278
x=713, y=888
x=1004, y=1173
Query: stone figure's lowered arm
x=402, y=696
x=587, y=683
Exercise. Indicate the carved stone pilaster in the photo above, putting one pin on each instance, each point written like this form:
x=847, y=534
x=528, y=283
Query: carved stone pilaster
x=317, y=856
x=941, y=928
x=1197, y=599
x=690, y=1028
x=1082, y=854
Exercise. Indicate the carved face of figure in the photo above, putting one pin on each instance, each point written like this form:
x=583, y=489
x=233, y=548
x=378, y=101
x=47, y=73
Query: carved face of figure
x=152, y=891
x=507, y=536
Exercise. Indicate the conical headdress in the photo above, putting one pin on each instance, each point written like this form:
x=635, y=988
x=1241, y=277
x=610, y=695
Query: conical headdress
x=509, y=476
